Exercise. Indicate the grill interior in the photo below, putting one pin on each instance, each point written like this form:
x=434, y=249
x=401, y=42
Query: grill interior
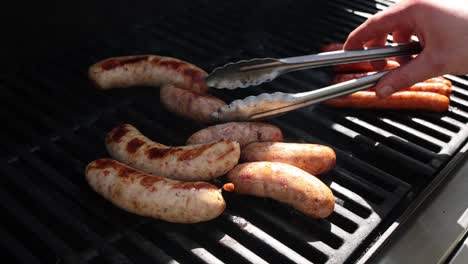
x=56, y=122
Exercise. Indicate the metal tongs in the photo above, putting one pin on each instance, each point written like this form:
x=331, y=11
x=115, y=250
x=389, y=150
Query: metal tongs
x=254, y=72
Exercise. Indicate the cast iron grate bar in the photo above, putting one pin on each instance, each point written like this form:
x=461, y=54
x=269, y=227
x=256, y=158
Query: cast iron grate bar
x=11, y=246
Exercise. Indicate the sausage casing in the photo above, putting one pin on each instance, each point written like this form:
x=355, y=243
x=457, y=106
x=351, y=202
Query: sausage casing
x=200, y=162
x=284, y=183
x=438, y=85
x=241, y=132
x=147, y=70
x=363, y=66
x=406, y=100
x=313, y=158
x=439, y=79
x=154, y=196
x=189, y=104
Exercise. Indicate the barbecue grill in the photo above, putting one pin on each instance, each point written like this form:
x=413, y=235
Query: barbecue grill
x=55, y=123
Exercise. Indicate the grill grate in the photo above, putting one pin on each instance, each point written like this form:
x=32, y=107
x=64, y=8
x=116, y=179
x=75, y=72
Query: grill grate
x=57, y=123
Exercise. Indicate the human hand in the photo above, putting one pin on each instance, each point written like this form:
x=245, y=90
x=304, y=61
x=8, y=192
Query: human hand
x=442, y=30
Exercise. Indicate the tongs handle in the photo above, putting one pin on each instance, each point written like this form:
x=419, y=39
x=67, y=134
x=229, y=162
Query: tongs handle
x=268, y=105
x=256, y=71
x=348, y=56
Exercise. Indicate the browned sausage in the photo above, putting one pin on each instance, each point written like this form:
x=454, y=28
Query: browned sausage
x=241, y=132
x=154, y=196
x=187, y=163
x=315, y=159
x=285, y=183
x=427, y=86
x=439, y=88
x=439, y=79
x=331, y=47
x=407, y=100
x=343, y=77
x=147, y=70
x=189, y=104
x=363, y=66
x=436, y=82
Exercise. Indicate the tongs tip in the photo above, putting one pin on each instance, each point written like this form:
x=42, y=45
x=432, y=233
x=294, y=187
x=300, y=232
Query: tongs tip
x=240, y=75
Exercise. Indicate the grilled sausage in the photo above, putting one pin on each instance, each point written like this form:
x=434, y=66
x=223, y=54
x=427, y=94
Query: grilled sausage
x=439, y=88
x=343, y=77
x=284, y=183
x=241, y=132
x=154, y=196
x=435, y=84
x=363, y=66
x=439, y=79
x=188, y=163
x=315, y=159
x=331, y=47
x=406, y=100
x=339, y=46
x=427, y=86
x=189, y=104
x=147, y=70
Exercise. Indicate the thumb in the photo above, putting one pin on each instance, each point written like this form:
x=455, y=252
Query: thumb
x=404, y=76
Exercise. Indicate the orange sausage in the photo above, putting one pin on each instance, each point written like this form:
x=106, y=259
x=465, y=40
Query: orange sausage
x=331, y=47
x=343, y=77
x=439, y=79
x=407, y=100
x=438, y=88
x=433, y=85
x=364, y=66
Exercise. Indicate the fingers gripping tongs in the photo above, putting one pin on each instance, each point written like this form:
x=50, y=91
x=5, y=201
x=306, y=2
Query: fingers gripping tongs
x=254, y=72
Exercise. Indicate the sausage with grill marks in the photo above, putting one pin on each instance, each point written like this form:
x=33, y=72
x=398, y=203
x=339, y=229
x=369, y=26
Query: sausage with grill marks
x=313, y=158
x=189, y=104
x=406, y=100
x=284, y=183
x=147, y=70
x=241, y=132
x=154, y=196
x=183, y=84
x=187, y=163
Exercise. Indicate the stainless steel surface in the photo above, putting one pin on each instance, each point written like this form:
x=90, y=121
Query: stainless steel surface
x=430, y=229
x=268, y=105
x=461, y=256
x=254, y=72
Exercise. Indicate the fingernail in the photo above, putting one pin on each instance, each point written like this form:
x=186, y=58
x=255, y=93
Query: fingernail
x=385, y=91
